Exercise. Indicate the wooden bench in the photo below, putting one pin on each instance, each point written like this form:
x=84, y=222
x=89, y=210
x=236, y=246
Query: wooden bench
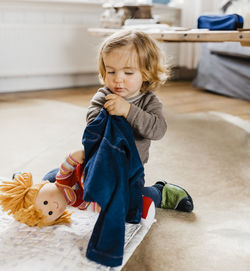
x=192, y=35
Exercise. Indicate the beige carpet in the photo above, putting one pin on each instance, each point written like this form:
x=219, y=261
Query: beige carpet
x=206, y=153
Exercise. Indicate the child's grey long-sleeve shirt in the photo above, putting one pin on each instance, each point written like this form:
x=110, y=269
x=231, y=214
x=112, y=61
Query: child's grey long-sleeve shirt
x=145, y=117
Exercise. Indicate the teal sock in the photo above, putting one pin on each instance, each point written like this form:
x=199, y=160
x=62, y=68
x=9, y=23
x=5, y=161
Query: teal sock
x=177, y=198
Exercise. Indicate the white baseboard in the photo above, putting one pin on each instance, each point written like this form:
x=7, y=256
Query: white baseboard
x=26, y=83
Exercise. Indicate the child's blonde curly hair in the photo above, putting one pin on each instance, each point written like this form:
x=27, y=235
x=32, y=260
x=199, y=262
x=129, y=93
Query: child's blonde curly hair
x=18, y=197
x=151, y=59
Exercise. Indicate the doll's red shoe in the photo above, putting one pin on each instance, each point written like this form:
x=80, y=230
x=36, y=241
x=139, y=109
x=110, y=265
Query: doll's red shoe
x=148, y=211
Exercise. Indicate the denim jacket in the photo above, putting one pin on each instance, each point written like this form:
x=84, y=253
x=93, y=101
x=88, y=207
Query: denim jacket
x=114, y=178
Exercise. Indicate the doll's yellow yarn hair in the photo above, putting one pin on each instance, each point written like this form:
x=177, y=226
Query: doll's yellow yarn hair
x=18, y=197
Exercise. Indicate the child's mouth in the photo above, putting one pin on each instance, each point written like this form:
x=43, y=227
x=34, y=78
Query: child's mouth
x=119, y=89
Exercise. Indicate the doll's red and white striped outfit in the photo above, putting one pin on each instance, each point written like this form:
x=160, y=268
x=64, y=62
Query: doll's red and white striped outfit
x=70, y=180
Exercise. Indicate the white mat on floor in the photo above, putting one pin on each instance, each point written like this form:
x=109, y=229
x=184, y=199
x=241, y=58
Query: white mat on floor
x=57, y=247
x=35, y=136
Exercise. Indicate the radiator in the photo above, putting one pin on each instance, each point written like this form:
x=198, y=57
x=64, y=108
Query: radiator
x=45, y=44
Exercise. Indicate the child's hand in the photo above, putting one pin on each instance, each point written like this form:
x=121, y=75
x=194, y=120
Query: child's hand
x=116, y=105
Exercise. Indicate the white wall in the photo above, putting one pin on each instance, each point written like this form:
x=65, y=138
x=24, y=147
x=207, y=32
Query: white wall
x=44, y=44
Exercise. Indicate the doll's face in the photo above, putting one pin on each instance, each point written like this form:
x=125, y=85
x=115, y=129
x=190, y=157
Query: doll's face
x=51, y=201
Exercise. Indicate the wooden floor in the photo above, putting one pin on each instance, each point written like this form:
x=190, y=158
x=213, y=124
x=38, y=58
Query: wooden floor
x=180, y=97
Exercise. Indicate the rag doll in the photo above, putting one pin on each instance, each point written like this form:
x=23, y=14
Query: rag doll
x=45, y=203
x=19, y=197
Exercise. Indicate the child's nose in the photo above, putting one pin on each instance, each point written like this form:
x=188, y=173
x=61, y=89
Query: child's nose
x=118, y=78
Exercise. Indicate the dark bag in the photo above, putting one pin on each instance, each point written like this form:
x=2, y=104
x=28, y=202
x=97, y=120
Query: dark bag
x=221, y=22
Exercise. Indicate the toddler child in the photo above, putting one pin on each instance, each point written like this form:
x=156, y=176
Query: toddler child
x=131, y=66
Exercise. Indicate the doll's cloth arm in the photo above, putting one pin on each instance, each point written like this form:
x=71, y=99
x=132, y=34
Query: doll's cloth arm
x=148, y=121
x=67, y=167
x=68, y=180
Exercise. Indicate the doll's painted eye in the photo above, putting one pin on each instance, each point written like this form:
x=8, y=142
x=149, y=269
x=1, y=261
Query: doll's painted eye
x=50, y=212
x=45, y=202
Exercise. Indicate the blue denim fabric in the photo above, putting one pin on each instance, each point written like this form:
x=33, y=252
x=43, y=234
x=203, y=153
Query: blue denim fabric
x=114, y=178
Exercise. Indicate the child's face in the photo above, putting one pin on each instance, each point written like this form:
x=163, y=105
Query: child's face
x=51, y=201
x=123, y=75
